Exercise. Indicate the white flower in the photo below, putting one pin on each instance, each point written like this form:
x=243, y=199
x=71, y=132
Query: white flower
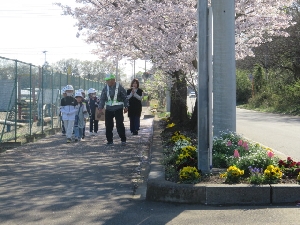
x=180, y=144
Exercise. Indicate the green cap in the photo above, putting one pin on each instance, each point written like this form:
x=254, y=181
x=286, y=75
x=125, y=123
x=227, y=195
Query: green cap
x=110, y=77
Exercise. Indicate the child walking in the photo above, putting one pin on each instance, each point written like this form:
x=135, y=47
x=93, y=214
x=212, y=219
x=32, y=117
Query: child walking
x=67, y=108
x=87, y=107
x=80, y=116
x=93, y=102
x=64, y=95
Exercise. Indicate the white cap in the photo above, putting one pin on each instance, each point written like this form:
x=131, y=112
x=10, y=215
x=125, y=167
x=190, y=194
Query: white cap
x=69, y=88
x=63, y=91
x=91, y=90
x=78, y=94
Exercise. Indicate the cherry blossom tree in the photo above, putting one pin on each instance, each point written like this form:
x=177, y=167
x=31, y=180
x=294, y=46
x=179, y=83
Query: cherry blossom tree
x=257, y=21
x=165, y=32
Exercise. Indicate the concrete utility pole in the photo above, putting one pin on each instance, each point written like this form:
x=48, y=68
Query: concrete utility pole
x=203, y=135
x=224, y=78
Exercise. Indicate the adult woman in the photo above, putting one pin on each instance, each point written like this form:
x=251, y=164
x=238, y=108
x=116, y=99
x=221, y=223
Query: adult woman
x=134, y=95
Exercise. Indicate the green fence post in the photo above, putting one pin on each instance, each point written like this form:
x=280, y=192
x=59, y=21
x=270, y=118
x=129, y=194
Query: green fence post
x=16, y=97
x=79, y=82
x=30, y=101
x=59, y=96
x=42, y=95
x=52, y=99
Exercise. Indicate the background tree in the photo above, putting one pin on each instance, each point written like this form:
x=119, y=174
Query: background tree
x=156, y=88
x=6, y=69
x=277, y=86
x=64, y=65
x=92, y=70
x=243, y=86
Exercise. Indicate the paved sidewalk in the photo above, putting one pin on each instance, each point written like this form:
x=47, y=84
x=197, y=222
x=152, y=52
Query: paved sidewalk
x=42, y=181
x=51, y=182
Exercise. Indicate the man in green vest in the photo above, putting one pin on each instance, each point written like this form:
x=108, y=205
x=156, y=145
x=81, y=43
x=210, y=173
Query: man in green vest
x=114, y=99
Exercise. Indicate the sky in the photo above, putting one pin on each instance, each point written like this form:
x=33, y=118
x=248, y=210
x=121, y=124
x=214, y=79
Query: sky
x=35, y=30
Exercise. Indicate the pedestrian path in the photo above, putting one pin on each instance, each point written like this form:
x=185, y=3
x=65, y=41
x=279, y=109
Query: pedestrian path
x=50, y=177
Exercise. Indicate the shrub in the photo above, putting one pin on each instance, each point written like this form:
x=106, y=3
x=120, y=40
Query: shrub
x=223, y=147
x=178, y=153
x=232, y=149
x=187, y=157
x=257, y=157
x=272, y=174
x=256, y=175
x=189, y=175
x=244, y=160
x=289, y=167
x=232, y=175
x=243, y=87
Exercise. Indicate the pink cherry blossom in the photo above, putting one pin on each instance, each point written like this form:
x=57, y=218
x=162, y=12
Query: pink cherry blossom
x=229, y=143
x=165, y=32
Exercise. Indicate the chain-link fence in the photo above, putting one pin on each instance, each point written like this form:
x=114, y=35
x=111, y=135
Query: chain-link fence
x=30, y=98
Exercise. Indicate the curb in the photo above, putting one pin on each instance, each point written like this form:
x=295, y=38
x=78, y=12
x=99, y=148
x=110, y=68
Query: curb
x=158, y=189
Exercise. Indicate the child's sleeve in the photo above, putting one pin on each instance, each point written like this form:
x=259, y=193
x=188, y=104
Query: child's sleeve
x=62, y=109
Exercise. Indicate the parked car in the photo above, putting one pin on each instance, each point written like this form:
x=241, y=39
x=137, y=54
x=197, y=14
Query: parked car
x=192, y=94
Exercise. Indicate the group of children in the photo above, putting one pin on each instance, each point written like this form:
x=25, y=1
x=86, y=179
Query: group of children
x=75, y=110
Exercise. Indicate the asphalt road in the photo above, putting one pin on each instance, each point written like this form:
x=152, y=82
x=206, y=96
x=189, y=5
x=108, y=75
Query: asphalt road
x=190, y=103
x=279, y=132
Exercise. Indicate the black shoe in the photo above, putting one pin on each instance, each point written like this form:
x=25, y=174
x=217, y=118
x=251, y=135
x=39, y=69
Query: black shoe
x=110, y=143
x=83, y=137
x=135, y=133
x=123, y=143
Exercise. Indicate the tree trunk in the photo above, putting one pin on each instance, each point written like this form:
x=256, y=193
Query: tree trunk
x=296, y=71
x=178, y=99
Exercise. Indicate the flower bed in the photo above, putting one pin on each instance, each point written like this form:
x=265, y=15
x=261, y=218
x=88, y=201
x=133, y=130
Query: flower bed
x=246, y=162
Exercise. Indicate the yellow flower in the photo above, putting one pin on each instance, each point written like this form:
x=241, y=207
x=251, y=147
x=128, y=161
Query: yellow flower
x=189, y=173
x=235, y=171
x=298, y=177
x=170, y=125
x=272, y=172
x=177, y=136
x=186, y=153
x=223, y=175
x=268, y=149
x=232, y=175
